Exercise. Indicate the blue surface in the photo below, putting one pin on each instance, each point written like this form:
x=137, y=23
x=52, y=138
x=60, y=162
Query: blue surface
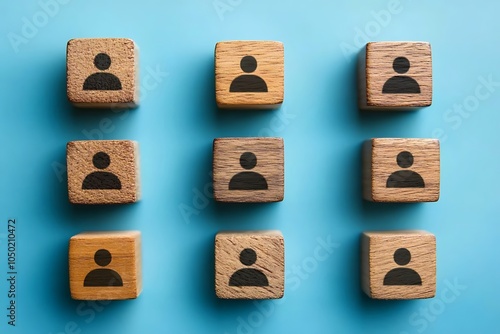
x=322, y=129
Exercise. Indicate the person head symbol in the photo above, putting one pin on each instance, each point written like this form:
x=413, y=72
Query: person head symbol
x=102, y=80
x=248, y=276
x=248, y=64
x=401, y=84
x=248, y=180
x=248, y=160
x=402, y=276
x=404, y=159
x=401, y=65
x=102, y=257
x=405, y=178
x=102, y=276
x=101, y=179
x=248, y=83
x=102, y=61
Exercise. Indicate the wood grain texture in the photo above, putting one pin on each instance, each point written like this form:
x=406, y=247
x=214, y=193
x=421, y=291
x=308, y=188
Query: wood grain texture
x=377, y=260
x=123, y=163
x=125, y=250
x=124, y=65
x=270, y=67
x=376, y=68
x=380, y=162
x=270, y=165
x=269, y=250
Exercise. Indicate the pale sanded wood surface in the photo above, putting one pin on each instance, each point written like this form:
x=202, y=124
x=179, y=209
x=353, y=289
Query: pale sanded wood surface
x=124, y=65
x=376, y=68
x=125, y=250
x=270, y=68
x=124, y=164
x=269, y=249
x=270, y=165
x=380, y=162
x=377, y=260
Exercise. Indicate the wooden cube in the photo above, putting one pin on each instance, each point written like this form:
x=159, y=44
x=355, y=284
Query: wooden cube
x=102, y=73
x=249, y=265
x=249, y=74
x=398, y=264
x=395, y=75
x=105, y=265
x=401, y=170
x=103, y=171
x=248, y=169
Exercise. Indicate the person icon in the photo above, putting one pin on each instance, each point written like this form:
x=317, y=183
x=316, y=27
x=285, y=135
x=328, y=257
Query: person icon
x=402, y=276
x=100, y=179
x=102, y=276
x=248, y=83
x=248, y=180
x=405, y=178
x=248, y=276
x=102, y=80
x=401, y=84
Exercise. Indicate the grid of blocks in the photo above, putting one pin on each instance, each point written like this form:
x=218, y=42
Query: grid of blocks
x=395, y=76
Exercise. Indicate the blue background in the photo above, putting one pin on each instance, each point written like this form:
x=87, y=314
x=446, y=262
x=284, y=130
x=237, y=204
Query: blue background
x=323, y=131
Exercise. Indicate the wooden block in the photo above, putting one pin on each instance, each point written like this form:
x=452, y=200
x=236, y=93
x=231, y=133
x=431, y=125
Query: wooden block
x=248, y=169
x=395, y=75
x=103, y=171
x=398, y=264
x=105, y=265
x=249, y=265
x=401, y=170
x=102, y=73
x=249, y=74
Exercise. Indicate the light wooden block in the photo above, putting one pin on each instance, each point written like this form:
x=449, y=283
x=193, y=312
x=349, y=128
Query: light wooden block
x=249, y=265
x=248, y=169
x=102, y=73
x=103, y=171
x=105, y=265
x=395, y=75
x=398, y=264
x=249, y=74
x=401, y=170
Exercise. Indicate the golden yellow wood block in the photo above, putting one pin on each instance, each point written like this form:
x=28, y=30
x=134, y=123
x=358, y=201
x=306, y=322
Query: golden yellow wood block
x=249, y=74
x=105, y=265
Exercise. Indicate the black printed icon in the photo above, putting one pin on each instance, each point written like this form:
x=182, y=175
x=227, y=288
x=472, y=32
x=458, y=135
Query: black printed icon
x=401, y=84
x=102, y=276
x=402, y=276
x=248, y=276
x=101, y=179
x=102, y=80
x=248, y=180
x=248, y=83
x=405, y=178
